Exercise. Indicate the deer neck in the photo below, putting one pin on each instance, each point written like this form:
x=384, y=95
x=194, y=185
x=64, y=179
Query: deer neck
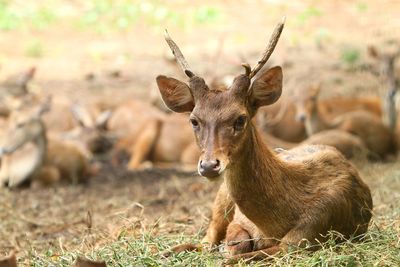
x=316, y=122
x=41, y=143
x=262, y=185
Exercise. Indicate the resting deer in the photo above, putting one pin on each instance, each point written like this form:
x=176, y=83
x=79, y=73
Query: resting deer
x=286, y=115
x=29, y=155
x=387, y=62
x=376, y=136
x=151, y=136
x=13, y=88
x=349, y=145
x=267, y=202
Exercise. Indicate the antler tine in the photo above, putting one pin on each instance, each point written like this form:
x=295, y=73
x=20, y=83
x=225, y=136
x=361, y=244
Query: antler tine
x=270, y=48
x=178, y=55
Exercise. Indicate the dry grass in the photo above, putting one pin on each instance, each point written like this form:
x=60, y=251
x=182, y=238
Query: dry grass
x=129, y=219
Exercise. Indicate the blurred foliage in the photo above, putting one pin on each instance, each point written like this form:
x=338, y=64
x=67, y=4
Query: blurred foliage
x=350, y=55
x=108, y=15
x=102, y=15
x=308, y=13
x=362, y=7
x=14, y=15
x=35, y=49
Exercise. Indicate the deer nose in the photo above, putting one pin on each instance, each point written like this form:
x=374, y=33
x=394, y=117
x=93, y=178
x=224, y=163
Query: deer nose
x=210, y=168
x=301, y=117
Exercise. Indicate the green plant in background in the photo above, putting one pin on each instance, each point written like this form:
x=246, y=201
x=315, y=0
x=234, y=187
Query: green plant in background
x=322, y=36
x=15, y=15
x=310, y=12
x=362, y=7
x=207, y=14
x=107, y=15
x=350, y=55
x=102, y=15
x=34, y=49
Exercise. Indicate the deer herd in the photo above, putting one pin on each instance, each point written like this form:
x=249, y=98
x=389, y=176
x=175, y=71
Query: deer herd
x=284, y=162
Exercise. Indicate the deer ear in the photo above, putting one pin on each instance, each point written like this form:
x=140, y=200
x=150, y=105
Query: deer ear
x=176, y=94
x=267, y=88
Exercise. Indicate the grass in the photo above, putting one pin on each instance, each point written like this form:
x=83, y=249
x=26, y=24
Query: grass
x=380, y=248
x=106, y=15
x=34, y=49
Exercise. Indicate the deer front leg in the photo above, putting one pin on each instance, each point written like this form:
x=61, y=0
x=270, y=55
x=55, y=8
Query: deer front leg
x=296, y=237
x=222, y=214
x=238, y=240
x=144, y=143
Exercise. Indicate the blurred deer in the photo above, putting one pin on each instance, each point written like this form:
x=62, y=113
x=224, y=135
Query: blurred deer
x=387, y=59
x=144, y=133
x=28, y=155
x=366, y=125
x=14, y=87
x=349, y=145
x=267, y=202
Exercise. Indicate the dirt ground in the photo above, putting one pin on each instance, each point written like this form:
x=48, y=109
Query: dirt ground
x=317, y=45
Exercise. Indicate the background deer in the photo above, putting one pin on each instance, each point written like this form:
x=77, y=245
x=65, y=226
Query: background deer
x=144, y=133
x=387, y=60
x=349, y=145
x=366, y=125
x=279, y=200
x=29, y=155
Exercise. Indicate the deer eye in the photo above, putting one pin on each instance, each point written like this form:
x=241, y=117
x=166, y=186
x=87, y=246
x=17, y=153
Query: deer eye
x=239, y=123
x=194, y=123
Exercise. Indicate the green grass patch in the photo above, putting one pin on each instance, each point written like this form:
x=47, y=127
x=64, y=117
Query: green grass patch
x=381, y=247
x=35, y=49
x=17, y=15
x=107, y=15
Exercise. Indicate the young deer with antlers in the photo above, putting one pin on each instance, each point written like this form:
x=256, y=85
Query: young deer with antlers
x=267, y=202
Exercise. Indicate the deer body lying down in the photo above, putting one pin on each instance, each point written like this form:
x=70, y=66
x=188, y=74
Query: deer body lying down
x=152, y=136
x=28, y=155
x=369, y=128
x=285, y=116
x=284, y=199
x=349, y=145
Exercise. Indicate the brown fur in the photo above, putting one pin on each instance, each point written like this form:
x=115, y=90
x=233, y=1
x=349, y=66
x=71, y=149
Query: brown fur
x=152, y=136
x=58, y=160
x=280, y=200
x=349, y=145
x=367, y=126
x=332, y=108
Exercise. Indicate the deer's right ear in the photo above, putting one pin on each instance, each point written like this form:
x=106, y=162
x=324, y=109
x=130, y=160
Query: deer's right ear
x=176, y=94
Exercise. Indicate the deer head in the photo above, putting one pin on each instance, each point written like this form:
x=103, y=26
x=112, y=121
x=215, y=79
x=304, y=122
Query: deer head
x=221, y=119
x=305, y=101
x=23, y=149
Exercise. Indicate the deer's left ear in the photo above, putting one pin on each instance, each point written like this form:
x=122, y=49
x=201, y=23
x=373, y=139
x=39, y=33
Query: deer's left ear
x=267, y=88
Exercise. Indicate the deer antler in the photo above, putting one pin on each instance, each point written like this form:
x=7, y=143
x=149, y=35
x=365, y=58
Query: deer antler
x=270, y=48
x=178, y=55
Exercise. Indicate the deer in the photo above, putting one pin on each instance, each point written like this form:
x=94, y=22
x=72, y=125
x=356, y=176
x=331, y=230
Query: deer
x=284, y=114
x=267, y=202
x=14, y=87
x=377, y=137
x=152, y=136
x=351, y=146
x=29, y=155
x=387, y=60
